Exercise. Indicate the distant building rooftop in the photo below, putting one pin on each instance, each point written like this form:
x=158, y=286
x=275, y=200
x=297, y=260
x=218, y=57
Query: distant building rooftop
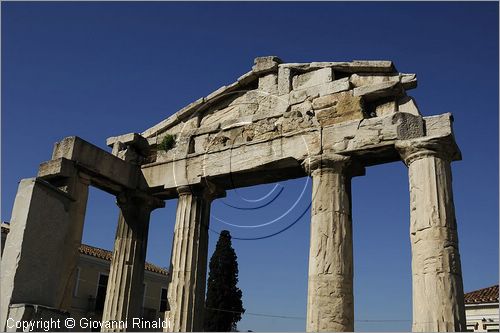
x=485, y=295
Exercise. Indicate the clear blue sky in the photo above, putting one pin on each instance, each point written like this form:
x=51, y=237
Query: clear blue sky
x=101, y=69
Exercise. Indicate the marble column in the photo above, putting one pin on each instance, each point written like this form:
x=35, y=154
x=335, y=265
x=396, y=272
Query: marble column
x=438, y=297
x=124, y=292
x=330, y=300
x=188, y=269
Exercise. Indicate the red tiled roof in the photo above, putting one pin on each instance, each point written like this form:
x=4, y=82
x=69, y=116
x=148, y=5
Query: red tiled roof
x=485, y=295
x=107, y=255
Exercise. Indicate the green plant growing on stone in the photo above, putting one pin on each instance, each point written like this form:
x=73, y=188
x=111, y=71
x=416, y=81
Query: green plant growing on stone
x=167, y=142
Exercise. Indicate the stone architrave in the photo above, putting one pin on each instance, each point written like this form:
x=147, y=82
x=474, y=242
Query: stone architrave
x=330, y=300
x=124, y=292
x=188, y=269
x=438, y=297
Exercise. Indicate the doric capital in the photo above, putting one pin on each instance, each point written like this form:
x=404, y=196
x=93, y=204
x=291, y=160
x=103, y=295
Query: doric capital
x=415, y=149
x=184, y=190
x=333, y=162
x=205, y=189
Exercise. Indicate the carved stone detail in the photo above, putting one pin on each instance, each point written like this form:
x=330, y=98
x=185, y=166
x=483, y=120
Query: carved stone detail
x=442, y=147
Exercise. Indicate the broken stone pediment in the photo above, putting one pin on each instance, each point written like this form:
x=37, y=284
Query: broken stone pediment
x=290, y=97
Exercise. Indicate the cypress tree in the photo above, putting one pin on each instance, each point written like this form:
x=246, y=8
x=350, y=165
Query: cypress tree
x=223, y=306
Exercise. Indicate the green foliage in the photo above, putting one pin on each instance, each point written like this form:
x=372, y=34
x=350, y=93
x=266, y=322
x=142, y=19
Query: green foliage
x=167, y=142
x=223, y=306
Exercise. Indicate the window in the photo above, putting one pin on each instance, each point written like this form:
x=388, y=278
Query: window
x=163, y=300
x=101, y=292
x=77, y=282
x=144, y=294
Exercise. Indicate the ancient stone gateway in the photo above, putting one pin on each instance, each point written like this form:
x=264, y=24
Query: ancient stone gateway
x=328, y=120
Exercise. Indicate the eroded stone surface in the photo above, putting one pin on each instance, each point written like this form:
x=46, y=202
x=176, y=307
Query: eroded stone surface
x=330, y=299
x=337, y=108
x=186, y=291
x=313, y=78
x=295, y=82
x=409, y=81
x=386, y=108
x=126, y=276
x=379, y=90
x=407, y=104
x=284, y=80
x=276, y=90
x=438, y=303
x=300, y=95
x=269, y=83
x=266, y=64
x=43, y=241
x=359, y=80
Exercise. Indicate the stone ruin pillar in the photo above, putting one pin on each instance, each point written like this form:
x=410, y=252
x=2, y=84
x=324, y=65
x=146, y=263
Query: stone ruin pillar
x=46, y=231
x=125, y=285
x=330, y=299
x=124, y=292
x=41, y=252
x=78, y=187
x=188, y=269
x=438, y=297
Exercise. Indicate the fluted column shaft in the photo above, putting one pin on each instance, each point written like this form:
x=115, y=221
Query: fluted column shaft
x=125, y=283
x=438, y=298
x=188, y=269
x=330, y=300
